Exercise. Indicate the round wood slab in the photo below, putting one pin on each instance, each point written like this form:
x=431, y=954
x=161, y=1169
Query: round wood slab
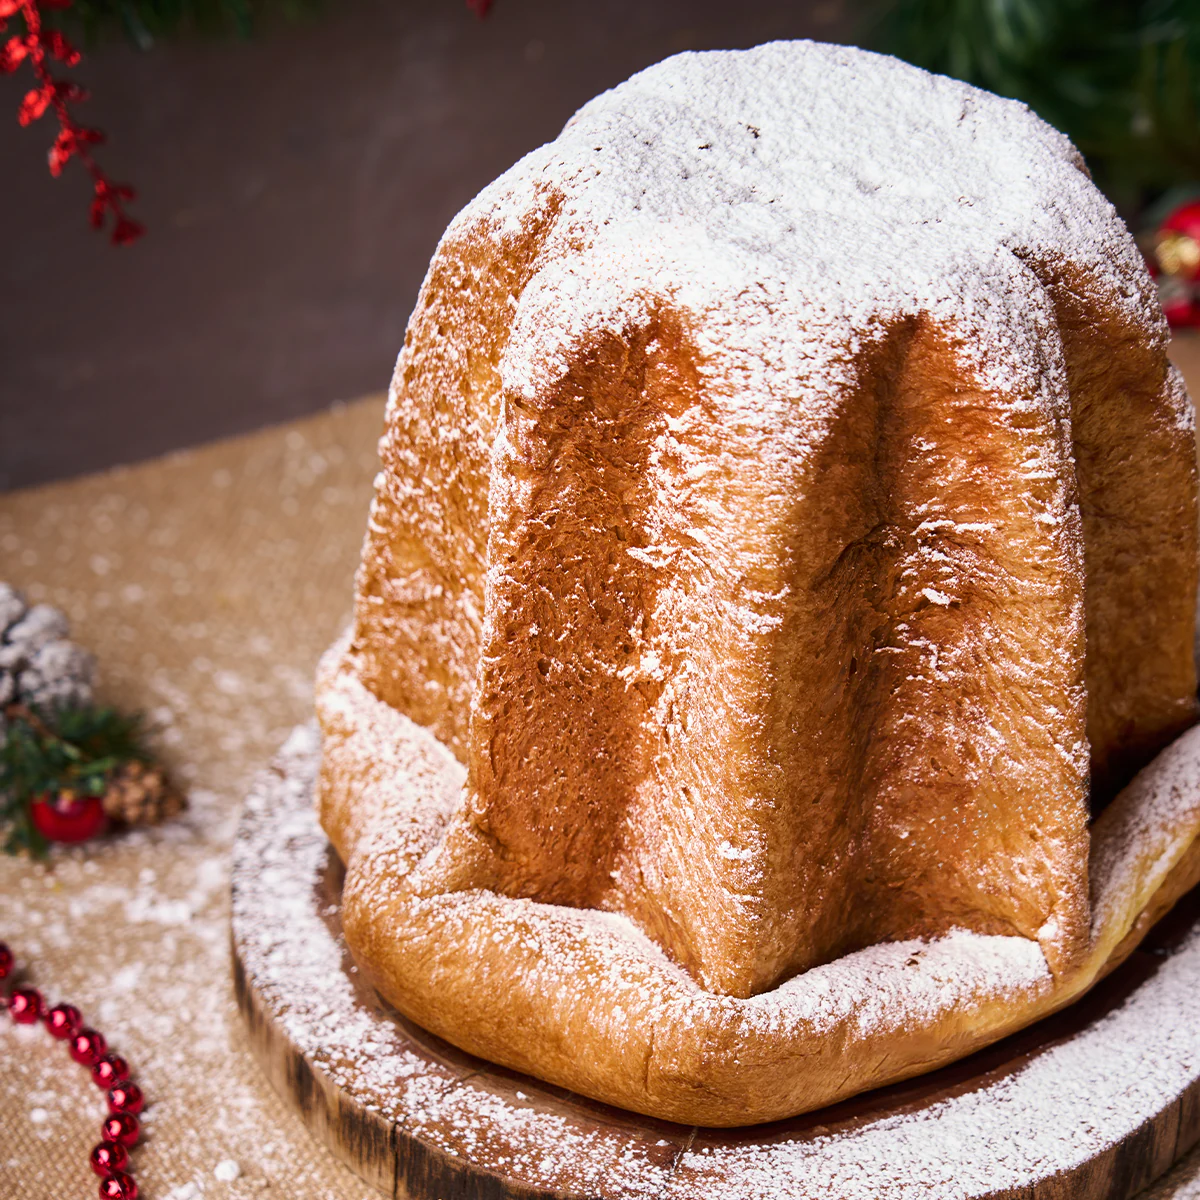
x=1093, y=1103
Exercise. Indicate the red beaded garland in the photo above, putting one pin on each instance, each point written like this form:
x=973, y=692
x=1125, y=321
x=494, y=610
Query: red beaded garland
x=63, y=1021
x=112, y=1068
x=120, y=1127
x=118, y=1186
x=25, y=1005
x=88, y=1047
x=125, y=1098
x=108, y=1157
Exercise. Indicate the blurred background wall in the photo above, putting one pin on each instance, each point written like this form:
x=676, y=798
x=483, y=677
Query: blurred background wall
x=295, y=171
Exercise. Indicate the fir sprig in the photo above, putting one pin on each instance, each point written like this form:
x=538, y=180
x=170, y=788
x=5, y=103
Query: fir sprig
x=145, y=22
x=74, y=749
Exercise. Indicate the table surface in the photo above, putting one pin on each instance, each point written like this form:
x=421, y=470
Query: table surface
x=208, y=583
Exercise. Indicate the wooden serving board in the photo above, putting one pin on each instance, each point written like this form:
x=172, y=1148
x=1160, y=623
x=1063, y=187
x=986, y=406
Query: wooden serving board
x=1095, y=1102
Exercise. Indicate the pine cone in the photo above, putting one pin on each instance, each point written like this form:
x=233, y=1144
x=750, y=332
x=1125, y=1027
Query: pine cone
x=139, y=794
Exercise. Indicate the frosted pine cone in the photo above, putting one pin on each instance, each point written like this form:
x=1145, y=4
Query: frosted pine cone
x=59, y=675
x=39, y=667
x=139, y=794
x=12, y=608
x=41, y=624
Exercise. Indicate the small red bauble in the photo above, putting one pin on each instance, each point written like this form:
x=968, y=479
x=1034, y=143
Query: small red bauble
x=125, y=1098
x=118, y=1186
x=65, y=817
x=63, y=1021
x=6, y=961
x=120, y=1127
x=25, y=1005
x=88, y=1047
x=112, y=1068
x=108, y=1157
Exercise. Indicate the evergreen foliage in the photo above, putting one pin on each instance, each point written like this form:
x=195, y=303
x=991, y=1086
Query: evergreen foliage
x=146, y=21
x=76, y=749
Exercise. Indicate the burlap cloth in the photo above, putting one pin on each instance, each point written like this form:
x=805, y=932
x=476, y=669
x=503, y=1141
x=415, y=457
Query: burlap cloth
x=208, y=584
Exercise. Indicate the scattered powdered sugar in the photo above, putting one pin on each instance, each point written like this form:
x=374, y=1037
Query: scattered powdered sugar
x=1072, y=1100
x=227, y=1170
x=921, y=979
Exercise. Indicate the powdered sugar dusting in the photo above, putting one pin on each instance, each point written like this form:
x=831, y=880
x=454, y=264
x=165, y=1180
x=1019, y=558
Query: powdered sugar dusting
x=817, y=188
x=1071, y=1101
x=1136, y=843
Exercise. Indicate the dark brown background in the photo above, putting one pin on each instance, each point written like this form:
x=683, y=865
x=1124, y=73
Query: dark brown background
x=294, y=187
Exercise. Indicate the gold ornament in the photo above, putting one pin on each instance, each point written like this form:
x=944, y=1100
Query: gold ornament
x=1177, y=253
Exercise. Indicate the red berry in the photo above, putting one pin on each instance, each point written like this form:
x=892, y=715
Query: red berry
x=118, y=1186
x=25, y=1005
x=65, y=817
x=112, y=1068
x=120, y=1127
x=126, y=1098
x=88, y=1047
x=108, y=1157
x=63, y=1021
x=6, y=961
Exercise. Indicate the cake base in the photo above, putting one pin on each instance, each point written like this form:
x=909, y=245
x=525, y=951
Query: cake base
x=1095, y=1102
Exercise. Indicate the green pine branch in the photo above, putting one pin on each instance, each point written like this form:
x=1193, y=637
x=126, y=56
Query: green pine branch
x=72, y=749
x=145, y=22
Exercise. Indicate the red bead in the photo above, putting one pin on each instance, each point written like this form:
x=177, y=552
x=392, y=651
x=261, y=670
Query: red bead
x=126, y=1098
x=6, y=961
x=63, y=1021
x=120, y=1127
x=25, y=1005
x=112, y=1068
x=108, y=1157
x=65, y=817
x=118, y=1186
x=88, y=1047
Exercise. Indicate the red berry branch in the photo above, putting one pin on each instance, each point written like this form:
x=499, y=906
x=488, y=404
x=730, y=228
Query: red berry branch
x=39, y=48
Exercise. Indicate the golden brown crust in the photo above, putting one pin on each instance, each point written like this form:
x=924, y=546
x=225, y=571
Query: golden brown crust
x=778, y=584
x=582, y=1000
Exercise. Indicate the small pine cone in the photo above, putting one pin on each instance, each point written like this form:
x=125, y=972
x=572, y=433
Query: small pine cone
x=139, y=794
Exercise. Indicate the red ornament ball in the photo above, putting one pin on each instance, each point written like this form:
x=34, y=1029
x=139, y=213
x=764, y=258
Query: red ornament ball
x=88, y=1047
x=65, y=817
x=108, y=1157
x=112, y=1068
x=63, y=1021
x=6, y=961
x=25, y=1005
x=125, y=1098
x=118, y=1186
x=120, y=1127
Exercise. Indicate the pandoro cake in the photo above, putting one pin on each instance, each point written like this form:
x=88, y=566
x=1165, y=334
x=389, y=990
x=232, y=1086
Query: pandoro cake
x=785, y=546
